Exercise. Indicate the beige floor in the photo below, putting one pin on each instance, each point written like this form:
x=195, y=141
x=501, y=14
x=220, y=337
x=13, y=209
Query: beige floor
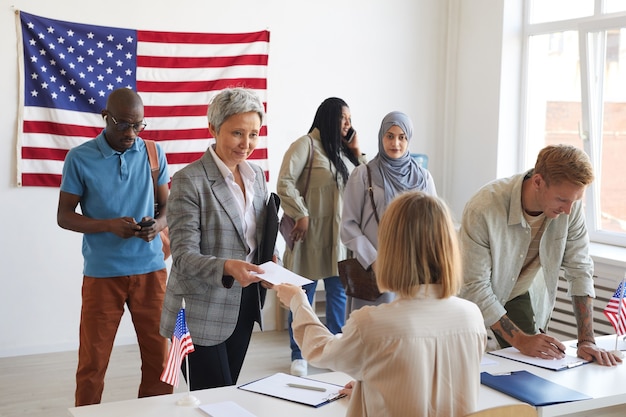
x=43, y=385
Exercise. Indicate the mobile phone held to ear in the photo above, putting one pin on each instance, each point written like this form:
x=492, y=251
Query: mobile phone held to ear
x=146, y=223
x=350, y=135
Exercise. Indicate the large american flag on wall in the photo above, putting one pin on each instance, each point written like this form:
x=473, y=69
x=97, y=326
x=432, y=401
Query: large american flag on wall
x=68, y=69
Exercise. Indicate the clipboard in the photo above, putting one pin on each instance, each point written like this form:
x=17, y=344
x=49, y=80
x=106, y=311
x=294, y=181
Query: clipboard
x=568, y=362
x=531, y=388
x=276, y=386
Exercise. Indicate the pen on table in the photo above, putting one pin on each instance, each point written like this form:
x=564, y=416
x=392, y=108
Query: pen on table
x=560, y=350
x=575, y=364
x=311, y=387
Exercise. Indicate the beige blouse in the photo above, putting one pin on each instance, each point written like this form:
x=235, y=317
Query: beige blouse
x=411, y=357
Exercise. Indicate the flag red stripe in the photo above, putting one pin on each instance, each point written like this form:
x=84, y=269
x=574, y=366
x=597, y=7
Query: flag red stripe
x=183, y=157
x=259, y=153
x=187, y=157
x=187, y=134
x=197, y=86
x=166, y=111
x=200, y=62
x=61, y=129
x=41, y=180
x=173, y=111
x=29, y=152
x=201, y=38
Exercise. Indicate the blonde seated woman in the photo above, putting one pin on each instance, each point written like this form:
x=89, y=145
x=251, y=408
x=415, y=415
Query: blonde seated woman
x=420, y=354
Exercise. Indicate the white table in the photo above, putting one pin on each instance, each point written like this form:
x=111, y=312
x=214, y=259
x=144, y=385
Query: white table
x=606, y=385
x=258, y=404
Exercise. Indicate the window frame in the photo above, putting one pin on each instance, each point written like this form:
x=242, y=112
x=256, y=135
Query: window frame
x=591, y=99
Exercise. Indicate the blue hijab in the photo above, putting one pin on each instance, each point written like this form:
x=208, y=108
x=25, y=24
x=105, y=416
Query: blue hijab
x=396, y=175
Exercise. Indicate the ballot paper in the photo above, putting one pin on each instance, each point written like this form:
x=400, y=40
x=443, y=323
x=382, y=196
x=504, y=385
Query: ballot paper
x=567, y=362
x=276, y=274
x=226, y=409
x=277, y=386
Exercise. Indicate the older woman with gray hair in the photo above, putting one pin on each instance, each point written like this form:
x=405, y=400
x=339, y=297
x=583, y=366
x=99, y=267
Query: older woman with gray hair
x=392, y=172
x=216, y=209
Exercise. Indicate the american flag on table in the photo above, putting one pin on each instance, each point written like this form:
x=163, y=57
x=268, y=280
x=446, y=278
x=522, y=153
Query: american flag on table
x=68, y=69
x=615, y=311
x=181, y=347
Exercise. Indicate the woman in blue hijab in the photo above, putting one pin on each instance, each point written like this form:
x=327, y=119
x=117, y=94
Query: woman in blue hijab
x=392, y=172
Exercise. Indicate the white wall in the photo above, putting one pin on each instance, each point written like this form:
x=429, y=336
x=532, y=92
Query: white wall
x=378, y=56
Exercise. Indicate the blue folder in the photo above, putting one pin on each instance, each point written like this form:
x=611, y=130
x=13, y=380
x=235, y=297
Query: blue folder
x=531, y=388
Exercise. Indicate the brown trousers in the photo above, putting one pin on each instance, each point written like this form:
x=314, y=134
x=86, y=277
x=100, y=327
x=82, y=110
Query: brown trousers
x=103, y=306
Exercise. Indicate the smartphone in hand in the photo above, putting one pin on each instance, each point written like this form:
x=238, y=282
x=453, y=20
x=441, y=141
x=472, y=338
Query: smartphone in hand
x=350, y=135
x=146, y=223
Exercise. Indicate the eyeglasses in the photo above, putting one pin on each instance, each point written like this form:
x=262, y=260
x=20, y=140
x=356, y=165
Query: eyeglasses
x=123, y=126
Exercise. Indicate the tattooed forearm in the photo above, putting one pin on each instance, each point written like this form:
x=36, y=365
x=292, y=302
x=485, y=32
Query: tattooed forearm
x=506, y=329
x=583, y=311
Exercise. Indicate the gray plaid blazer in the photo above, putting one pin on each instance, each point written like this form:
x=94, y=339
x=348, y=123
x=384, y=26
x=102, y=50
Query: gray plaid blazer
x=206, y=230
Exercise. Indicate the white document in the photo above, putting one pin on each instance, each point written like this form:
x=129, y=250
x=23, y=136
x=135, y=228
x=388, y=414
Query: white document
x=276, y=274
x=487, y=361
x=277, y=385
x=608, y=342
x=567, y=362
x=226, y=409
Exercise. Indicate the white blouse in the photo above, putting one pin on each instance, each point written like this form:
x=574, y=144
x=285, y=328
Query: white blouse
x=412, y=357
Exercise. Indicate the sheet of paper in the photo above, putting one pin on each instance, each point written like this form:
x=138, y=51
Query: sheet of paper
x=608, y=342
x=276, y=274
x=486, y=360
x=276, y=386
x=567, y=362
x=226, y=409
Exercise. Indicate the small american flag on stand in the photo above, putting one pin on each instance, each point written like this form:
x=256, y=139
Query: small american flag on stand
x=615, y=311
x=180, y=348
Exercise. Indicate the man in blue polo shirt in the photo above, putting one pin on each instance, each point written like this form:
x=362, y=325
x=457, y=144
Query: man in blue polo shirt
x=110, y=178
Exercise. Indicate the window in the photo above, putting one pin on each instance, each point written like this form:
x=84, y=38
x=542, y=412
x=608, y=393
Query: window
x=576, y=94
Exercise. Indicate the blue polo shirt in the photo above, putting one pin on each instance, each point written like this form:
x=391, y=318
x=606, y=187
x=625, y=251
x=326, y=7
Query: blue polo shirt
x=114, y=184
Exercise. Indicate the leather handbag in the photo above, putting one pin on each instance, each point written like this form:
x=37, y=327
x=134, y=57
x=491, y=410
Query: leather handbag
x=153, y=159
x=357, y=281
x=287, y=223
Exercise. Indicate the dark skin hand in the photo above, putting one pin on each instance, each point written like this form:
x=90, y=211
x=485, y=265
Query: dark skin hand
x=547, y=347
x=124, y=227
x=353, y=145
x=298, y=233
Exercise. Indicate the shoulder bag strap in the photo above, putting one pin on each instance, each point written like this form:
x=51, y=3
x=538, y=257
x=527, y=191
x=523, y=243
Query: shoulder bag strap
x=371, y=192
x=308, y=177
x=153, y=159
